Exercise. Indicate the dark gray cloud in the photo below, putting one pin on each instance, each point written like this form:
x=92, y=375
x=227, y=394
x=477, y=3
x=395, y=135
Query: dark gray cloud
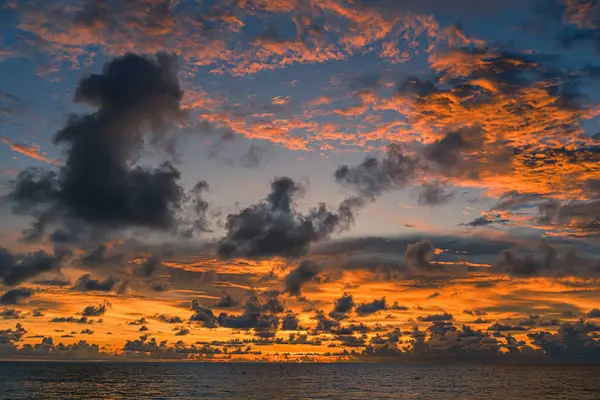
x=325, y=324
x=259, y=313
x=203, y=314
x=137, y=100
x=11, y=313
x=274, y=228
x=446, y=152
x=47, y=349
x=290, y=322
x=18, y=268
x=516, y=265
x=10, y=336
x=418, y=255
x=149, y=347
x=372, y=307
x=374, y=177
x=444, y=158
x=86, y=283
x=15, y=296
x=581, y=215
x=545, y=260
x=573, y=342
x=305, y=272
x=342, y=306
x=248, y=320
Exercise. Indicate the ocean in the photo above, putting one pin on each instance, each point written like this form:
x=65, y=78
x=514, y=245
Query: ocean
x=144, y=380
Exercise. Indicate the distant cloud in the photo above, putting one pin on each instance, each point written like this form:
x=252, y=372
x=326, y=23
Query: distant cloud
x=15, y=296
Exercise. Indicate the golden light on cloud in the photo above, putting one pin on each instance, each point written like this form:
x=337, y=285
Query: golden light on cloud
x=233, y=169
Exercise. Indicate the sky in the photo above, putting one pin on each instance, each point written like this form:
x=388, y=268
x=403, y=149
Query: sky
x=293, y=180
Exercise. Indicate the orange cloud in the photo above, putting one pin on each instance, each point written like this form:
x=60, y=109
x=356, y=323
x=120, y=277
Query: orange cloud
x=32, y=152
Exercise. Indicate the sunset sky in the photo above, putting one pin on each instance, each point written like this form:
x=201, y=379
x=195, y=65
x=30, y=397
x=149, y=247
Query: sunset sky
x=300, y=180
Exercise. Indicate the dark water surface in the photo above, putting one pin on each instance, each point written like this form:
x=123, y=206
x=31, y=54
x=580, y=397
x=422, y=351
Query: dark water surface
x=294, y=381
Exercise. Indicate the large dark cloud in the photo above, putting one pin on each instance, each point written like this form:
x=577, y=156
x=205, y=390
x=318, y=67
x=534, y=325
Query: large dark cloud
x=342, y=306
x=203, y=314
x=86, y=283
x=545, y=261
x=418, y=255
x=17, y=268
x=304, y=273
x=137, y=100
x=290, y=322
x=259, y=313
x=10, y=336
x=374, y=177
x=15, y=296
x=573, y=342
x=584, y=216
x=274, y=228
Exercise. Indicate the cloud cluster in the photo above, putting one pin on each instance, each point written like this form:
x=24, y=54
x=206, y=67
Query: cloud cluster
x=304, y=273
x=274, y=228
x=137, y=100
x=15, y=296
x=18, y=268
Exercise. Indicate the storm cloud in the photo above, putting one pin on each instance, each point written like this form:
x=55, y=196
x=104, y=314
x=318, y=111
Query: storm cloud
x=15, y=296
x=18, y=268
x=99, y=188
x=274, y=228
